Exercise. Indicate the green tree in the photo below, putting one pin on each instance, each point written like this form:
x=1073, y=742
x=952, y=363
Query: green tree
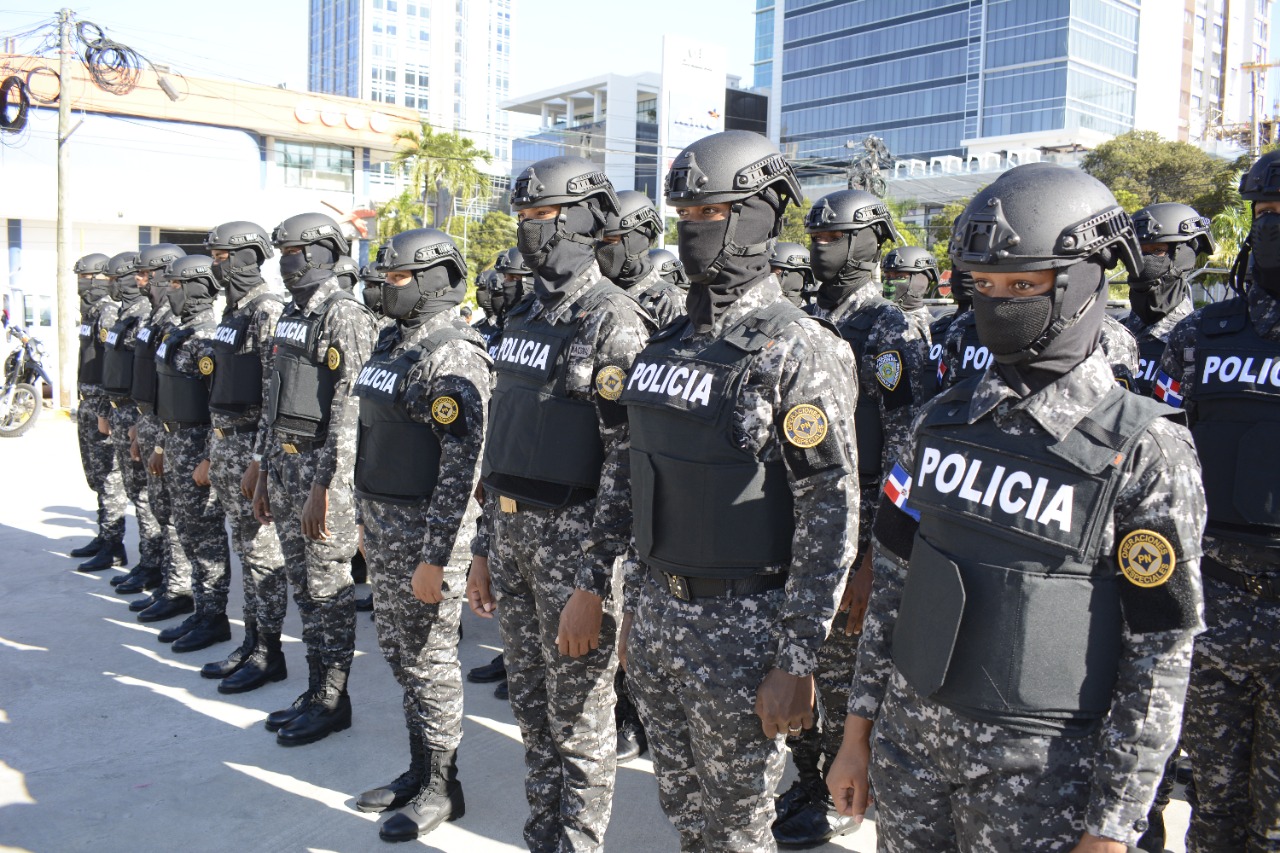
x=912, y=234
x=1229, y=229
x=440, y=164
x=793, y=223
x=495, y=233
x=402, y=213
x=939, y=231
x=1146, y=168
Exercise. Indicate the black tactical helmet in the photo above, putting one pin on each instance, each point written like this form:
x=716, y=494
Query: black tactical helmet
x=851, y=210
x=158, y=256
x=193, y=268
x=95, y=264
x=307, y=229
x=370, y=274
x=911, y=259
x=231, y=236
x=669, y=267
x=490, y=279
x=1262, y=181
x=791, y=256
x=419, y=249
x=511, y=262
x=1171, y=222
x=347, y=273
x=124, y=263
x=1043, y=216
x=563, y=180
x=635, y=213
x=730, y=166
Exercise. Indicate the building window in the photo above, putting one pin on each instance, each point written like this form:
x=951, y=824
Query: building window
x=315, y=167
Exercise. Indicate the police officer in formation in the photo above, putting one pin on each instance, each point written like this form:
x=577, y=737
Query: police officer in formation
x=961, y=284
x=515, y=286
x=744, y=493
x=790, y=264
x=486, y=282
x=423, y=395
x=97, y=454
x=623, y=255
x=239, y=357
x=1222, y=367
x=670, y=269
x=305, y=480
x=910, y=272
x=1037, y=589
x=556, y=479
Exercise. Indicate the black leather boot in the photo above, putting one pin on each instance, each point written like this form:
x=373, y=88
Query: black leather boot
x=116, y=580
x=109, y=555
x=501, y=691
x=329, y=712
x=166, y=607
x=439, y=800
x=632, y=741
x=140, y=604
x=141, y=578
x=365, y=605
x=399, y=791
x=806, y=753
x=814, y=824
x=88, y=549
x=277, y=720
x=235, y=660
x=1152, y=841
x=494, y=670
x=265, y=664
x=359, y=568
x=213, y=628
x=173, y=632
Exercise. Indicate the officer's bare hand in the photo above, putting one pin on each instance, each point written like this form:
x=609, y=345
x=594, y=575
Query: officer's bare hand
x=104, y=425
x=156, y=463
x=134, y=453
x=261, y=501
x=249, y=480
x=1094, y=844
x=315, y=514
x=847, y=775
x=580, y=623
x=428, y=583
x=622, y=640
x=784, y=703
x=133, y=433
x=201, y=474
x=856, y=594
x=479, y=588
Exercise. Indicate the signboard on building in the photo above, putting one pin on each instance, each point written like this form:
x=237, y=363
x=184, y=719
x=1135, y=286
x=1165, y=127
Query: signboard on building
x=691, y=99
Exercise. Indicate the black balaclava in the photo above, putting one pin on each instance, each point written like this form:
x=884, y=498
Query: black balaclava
x=157, y=288
x=371, y=293
x=844, y=266
x=561, y=248
x=504, y=298
x=189, y=300
x=429, y=292
x=239, y=274
x=910, y=290
x=91, y=290
x=1028, y=353
x=1264, y=248
x=792, y=282
x=722, y=258
x=962, y=289
x=303, y=272
x=626, y=262
x=483, y=299
x=124, y=289
x=1162, y=285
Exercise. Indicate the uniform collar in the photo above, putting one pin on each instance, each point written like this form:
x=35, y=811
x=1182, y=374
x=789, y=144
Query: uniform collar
x=327, y=288
x=258, y=290
x=410, y=337
x=854, y=302
x=760, y=293
x=567, y=306
x=1059, y=406
x=1264, y=312
x=205, y=317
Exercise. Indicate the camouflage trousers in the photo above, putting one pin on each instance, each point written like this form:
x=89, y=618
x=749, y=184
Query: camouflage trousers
x=944, y=782
x=261, y=560
x=564, y=705
x=694, y=668
x=319, y=572
x=98, y=458
x=177, y=568
x=199, y=519
x=1232, y=724
x=134, y=476
x=419, y=640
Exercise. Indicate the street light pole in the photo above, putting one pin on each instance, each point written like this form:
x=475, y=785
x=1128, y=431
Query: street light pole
x=67, y=298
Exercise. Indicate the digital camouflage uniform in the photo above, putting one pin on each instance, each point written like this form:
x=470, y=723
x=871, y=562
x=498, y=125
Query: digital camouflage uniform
x=97, y=454
x=1232, y=727
x=538, y=557
x=921, y=320
x=1145, y=379
x=948, y=781
x=234, y=442
x=320, y=570
x=663, y=300
x=695, y=665
x=197, y=515
x=1121, y=349
x=419, y=640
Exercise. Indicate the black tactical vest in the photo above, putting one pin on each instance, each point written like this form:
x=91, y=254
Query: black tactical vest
x=301, y=392
x=685, y=464
x=117, y=360
x=1237, y=417
x=179, y=397
x=938, y=336
x=237, y=367
x=91, y=347
x=856, y=329
x=143, y=387
x=652, y=298
x=1150, y=350
x=543, y=446
x=1011, y=608
x=974, y=357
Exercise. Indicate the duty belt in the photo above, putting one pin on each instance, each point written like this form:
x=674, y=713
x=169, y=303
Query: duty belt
x=174, y=426
x=688, y=588
x=224, y=432
x=292, y=445
x=1261, y=586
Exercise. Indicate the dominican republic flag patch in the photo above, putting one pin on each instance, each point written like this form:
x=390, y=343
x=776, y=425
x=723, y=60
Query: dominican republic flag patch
x=1169, y=390
x=942, y=373
x=898, y=488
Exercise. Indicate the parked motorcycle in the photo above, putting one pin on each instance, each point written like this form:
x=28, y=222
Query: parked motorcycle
x=22, y=397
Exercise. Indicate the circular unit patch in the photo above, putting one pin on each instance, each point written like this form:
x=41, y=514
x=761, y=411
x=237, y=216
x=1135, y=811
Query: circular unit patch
x=444, y=410
x=805, y=425
x=102, y=335
x=1146, y=558
x=206, y=365
x=334, y=358
x=609, y=382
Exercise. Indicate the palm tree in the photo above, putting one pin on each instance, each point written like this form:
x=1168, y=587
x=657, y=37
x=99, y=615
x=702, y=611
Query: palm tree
x=402, y=213
x=439, y=163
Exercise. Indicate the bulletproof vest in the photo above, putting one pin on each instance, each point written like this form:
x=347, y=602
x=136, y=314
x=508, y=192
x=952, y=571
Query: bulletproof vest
x=685, y=464
x=974, y=357
x=652, y=300
x=856, y=329
x=237, y=366
x=301, y=391
x=543, y=446
x=179, y=397
x=91, y=350
x=397, y=458
x=1150, y=350
x=1237, y=416
x=938, y=335
x=117, y=361
x=1011, y=608
x=143, y=387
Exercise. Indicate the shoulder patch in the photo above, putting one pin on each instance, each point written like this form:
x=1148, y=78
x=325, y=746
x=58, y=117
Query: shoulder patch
x=444, y=410
x=334, y=358
x=805, y=425
x=102, y=334
x=580, y=351
x=609, y=382
x=1146, y=558
x=206, y=365
x=889, y=369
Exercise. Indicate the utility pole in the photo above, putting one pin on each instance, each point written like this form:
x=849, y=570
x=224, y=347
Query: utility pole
x=1254, y=69
x=67, y=297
